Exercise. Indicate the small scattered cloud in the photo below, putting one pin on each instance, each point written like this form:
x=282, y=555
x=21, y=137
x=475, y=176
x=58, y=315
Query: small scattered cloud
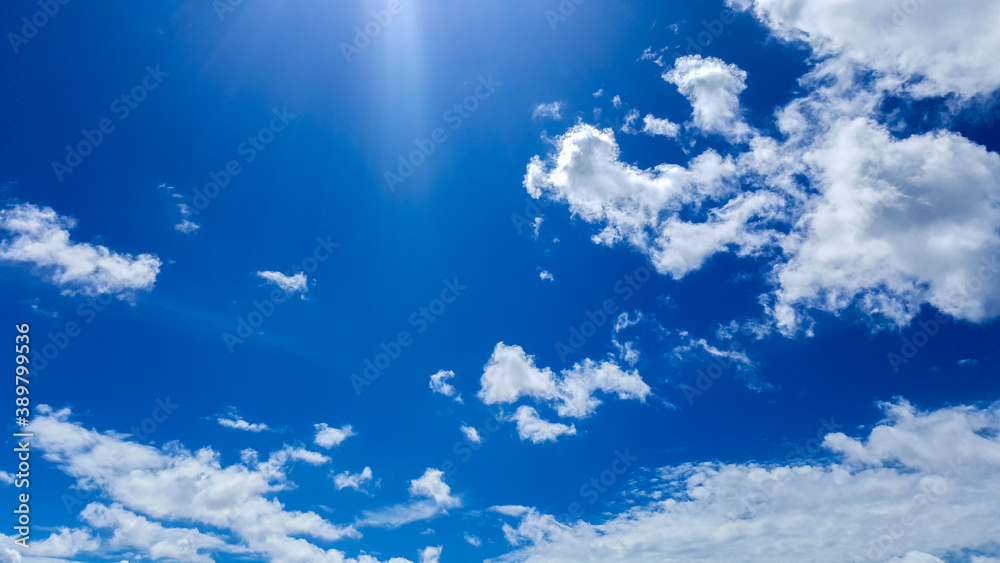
x=289, y=284
x=328, y=437
x=545, y=275
x=471, y=434
x=439, y=384
x=532, y=427
x=233, y=420
x=356, y=481
x=548, y=111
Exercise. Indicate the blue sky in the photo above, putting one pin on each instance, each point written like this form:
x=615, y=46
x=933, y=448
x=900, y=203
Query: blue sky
x=653, y=282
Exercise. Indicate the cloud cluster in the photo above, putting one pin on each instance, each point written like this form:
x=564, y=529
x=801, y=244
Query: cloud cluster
x=40, y=238
x=147, y=491
x=511, y=374
x=847, y=211
x=921, y=487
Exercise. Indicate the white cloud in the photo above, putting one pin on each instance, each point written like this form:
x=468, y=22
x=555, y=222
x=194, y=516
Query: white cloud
x=147, y=486
x=473, y=540
x=439, y=384
x=654, y=126
x=187, y=226
x=430, y=554
x=713, y=87
x=643, y=207
x=599, y=93
x=532, y=427
x=922, y=486
x=134, y=532
x=547, y=111
x=356, y=481
x=511, y=374
x=848, y=213
x=289, y=284
x=39, y=237
x=328, y=437
x=430, y=497
x=616, y=101
x=898, y=223
x=471, y=434
x=546, y=275
x=630, y=118
x=236, y=422
x=65, y=542
x=927, y=48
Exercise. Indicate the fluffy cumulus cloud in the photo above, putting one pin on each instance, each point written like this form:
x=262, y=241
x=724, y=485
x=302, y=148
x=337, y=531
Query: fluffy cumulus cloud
x=439, y=384
x=40, y=238
x=431, y=554
x=356, y=481
x=653, y=209
x=299, y=283
x=511, y=374
x=655, y=126
x=929, y=48
x=328, y=437
x=146, y=492
x=532, y=427
x=713, y=87
x=430, y=497
x=848, y=210
x=921, y=487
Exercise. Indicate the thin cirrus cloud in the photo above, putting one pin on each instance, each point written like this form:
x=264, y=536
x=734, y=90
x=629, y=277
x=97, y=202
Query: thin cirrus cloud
x=551, y=111
x=40, y=238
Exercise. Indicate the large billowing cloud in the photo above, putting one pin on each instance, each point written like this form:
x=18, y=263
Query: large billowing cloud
x=923, y=486
x=39, y=237
x=847, y=211
x=932, y=48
